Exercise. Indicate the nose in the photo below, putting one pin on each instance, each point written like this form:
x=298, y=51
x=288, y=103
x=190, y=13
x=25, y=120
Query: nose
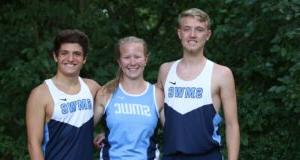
x=132, y=61
x=193, y=33
x=70, y=57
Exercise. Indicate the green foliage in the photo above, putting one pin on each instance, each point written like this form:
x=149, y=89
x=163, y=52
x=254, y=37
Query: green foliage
x=258, y=40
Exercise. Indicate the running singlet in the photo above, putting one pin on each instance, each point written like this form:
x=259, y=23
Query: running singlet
x=69, y=133
x=191, y=122
x=130, y=122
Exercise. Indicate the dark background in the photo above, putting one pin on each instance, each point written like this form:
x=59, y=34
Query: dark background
x=258, y=40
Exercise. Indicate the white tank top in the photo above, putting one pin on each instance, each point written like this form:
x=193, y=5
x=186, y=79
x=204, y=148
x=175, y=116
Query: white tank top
x=73, y=109
x=196, y=92
x=69, y=132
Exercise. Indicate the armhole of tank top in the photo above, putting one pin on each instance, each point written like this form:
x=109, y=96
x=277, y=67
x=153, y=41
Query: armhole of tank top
x=51, y=88
x=171, y=72
x=84, y=87
x=211, y=68
x=53, y=91
x=155, y=102
x=107, y=103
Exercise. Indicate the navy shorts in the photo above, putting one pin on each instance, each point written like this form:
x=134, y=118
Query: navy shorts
x=212, y=155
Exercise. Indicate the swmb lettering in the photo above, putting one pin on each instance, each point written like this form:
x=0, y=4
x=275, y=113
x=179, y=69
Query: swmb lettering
x=132, y=109
x=185, y=92
x=70, y=107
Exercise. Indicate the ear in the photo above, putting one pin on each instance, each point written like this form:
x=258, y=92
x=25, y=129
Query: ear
x=54, y=57
x=146, y=59
x=209, y=32
x=84, y=60
x=178, y=33
x=119, y=63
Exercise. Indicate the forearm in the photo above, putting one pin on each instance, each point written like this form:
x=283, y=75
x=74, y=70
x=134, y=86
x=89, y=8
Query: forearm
x=98, y=112
x=162, y=122
x=233, y=141
x=96, y=118
x=35, y=152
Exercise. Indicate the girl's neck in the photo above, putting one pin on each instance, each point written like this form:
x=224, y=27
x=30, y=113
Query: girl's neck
x=134, y=86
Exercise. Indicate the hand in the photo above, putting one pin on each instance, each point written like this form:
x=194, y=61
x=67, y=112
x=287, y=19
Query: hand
x=99, y=140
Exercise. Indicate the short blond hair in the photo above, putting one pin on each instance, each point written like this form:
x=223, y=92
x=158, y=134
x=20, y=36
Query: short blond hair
x=196, y=13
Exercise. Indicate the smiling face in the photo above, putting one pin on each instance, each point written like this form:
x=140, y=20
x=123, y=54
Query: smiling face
x=193, y=34
x=70, y=59
x=132, y=60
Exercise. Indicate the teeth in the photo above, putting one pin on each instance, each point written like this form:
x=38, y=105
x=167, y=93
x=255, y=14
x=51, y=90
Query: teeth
x=192, y=42
x=70, y=65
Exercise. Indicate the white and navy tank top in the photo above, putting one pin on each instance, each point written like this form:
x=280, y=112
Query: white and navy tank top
x=131, y=123
x=69, y=133
x=191, y=121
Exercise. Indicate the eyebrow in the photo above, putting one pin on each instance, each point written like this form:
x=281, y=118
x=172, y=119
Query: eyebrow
x=64, y=50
